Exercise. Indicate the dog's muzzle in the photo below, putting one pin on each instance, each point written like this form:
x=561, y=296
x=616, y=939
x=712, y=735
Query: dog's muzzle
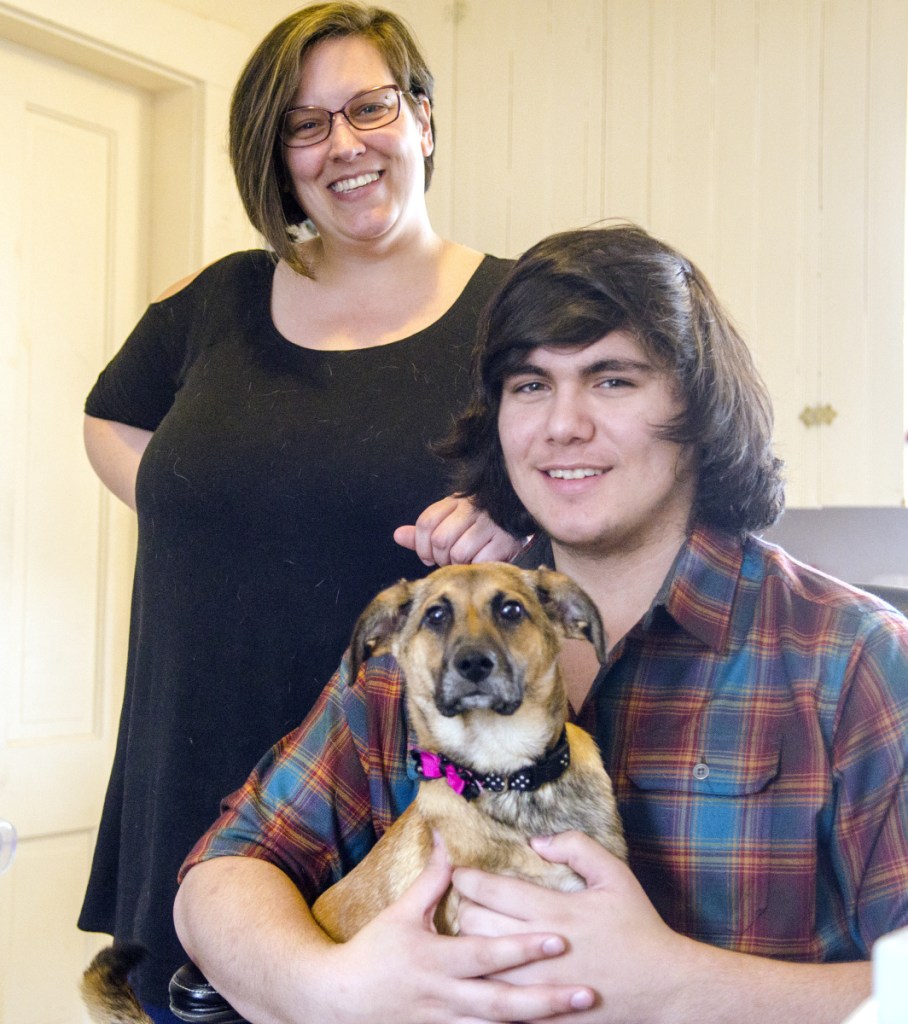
x=477, y=677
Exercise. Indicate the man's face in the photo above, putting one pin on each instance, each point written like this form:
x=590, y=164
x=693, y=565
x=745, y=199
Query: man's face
x=579, y=432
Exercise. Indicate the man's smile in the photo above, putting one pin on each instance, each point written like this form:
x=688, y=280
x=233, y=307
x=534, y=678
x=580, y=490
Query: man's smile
x=573, y=474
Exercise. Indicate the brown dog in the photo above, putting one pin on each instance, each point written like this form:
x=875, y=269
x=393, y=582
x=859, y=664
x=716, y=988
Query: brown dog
x=478, y=645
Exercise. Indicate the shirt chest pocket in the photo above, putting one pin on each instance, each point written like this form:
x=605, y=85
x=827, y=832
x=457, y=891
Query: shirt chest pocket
x=698, y=808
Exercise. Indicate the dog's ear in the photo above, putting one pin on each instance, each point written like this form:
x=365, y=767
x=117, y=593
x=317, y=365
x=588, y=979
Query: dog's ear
x=381, y=621
x=571, y=607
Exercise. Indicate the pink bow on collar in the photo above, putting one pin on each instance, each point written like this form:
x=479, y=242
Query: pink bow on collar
x=432, y=767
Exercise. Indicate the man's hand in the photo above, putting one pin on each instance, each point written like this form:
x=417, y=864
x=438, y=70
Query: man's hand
x=614, y=936
x=245, y=924
x=640, y=971
x=398, y=968
x=454, y=531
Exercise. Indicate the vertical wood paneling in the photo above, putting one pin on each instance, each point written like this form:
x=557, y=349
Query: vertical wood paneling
x=481, y=126
x=784, y=238
x=863, y=276
x=528, y=123
x=844, y=379
x=627, y=147
x=736, y=155
x=555, y=120
x=683, y=151
x=886, y=224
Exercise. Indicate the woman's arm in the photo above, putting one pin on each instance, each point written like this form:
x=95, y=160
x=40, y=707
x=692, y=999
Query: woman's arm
x=114, y=450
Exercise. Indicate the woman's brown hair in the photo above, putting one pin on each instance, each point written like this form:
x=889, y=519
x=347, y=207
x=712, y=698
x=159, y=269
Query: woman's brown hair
x=266, y=88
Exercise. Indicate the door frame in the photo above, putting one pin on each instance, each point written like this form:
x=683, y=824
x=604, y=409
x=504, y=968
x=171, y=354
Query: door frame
x=187, y=66
x=175, y=179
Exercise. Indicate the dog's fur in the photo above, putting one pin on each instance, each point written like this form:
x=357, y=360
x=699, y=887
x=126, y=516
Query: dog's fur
x=105, y=988
x=497, y=718
x=478, y=645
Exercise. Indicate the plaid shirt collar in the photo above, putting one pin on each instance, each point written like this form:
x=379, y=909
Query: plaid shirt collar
x=698, y=592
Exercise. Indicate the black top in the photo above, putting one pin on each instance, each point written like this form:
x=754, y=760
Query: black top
x=267, y=499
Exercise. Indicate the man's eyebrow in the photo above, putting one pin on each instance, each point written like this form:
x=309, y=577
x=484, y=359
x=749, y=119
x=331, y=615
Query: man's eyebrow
x=613, y=365
x=526, y=367
x=616, y=365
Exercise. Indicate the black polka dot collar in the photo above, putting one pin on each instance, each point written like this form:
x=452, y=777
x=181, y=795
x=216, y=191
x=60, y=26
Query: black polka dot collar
x=469, y=783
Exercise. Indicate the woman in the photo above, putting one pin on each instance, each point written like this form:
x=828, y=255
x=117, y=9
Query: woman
x=270, y=421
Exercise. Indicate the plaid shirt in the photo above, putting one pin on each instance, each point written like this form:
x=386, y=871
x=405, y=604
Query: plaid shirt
x=754, y=723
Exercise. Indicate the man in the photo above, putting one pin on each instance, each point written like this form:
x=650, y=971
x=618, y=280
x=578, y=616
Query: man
x=751, y=712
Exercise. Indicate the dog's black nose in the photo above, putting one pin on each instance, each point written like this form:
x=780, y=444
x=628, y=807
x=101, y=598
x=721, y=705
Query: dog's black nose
x=475, y=665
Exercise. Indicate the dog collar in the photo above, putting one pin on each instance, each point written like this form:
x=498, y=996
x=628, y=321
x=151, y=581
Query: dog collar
x=469, y=784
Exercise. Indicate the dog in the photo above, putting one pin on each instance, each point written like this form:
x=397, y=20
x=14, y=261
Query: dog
x=478, y=646
x=499, y=764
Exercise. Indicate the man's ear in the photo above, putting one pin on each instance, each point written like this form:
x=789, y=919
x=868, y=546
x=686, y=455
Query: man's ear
x=376, y=628
x=571, y=608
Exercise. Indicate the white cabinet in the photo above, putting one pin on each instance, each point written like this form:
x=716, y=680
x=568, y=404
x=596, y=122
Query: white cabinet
x=766, y=139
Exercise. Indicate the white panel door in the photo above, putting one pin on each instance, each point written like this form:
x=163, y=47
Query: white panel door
x=71, y=283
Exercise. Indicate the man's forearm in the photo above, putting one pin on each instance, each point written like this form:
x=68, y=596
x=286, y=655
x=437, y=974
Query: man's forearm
x=642, y=971
x=246, y=926
x=753, y=990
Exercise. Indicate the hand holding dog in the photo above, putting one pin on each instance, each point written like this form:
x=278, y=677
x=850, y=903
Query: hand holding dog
x=641, y=971
x=245, y=924
x=453, y=531
x=436, y=977
x=614, y=936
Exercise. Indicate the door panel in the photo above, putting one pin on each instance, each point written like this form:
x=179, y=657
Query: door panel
x=71, y=284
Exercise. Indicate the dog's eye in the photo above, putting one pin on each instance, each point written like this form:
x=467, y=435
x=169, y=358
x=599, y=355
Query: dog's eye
x=511, y=611
x=435, y=615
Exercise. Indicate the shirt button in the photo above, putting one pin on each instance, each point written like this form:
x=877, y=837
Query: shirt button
x=701, y=771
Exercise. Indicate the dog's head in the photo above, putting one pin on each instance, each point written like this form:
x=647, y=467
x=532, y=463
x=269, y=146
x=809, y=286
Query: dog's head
x=478, y=638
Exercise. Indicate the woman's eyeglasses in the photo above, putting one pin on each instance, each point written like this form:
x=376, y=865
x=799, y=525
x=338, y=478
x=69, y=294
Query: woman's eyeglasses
x=375, y=108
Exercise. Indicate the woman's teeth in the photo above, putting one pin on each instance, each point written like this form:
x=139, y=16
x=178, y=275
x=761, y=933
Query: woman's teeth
x=348, y=184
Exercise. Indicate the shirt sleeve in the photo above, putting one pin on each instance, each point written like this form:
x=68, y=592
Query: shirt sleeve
x=321, y=798
x=870, y=830
x=138, y=385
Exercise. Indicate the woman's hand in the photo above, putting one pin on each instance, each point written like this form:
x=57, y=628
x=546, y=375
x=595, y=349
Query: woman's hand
x=453, y=531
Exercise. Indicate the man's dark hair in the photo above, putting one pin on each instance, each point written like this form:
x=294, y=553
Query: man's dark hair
x=572, y=289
